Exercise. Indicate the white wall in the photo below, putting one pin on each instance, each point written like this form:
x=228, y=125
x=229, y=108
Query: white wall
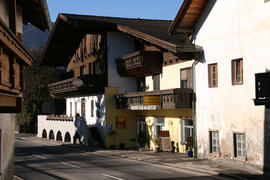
x=170, y=76
x=100, y=121
x=7, y=126
x=119, y=45
x=233, y=29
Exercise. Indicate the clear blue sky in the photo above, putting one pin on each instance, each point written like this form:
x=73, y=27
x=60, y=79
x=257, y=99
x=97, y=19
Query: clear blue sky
x=150, y=9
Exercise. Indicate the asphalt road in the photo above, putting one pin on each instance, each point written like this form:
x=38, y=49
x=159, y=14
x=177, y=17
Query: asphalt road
x=35, y=161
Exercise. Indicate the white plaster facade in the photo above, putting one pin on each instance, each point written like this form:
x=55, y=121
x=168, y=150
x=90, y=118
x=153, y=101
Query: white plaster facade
x=119, y=45
x=231, y=30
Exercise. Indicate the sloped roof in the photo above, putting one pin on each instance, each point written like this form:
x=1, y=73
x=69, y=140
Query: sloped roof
x=69, y=28
x=36, y=12
x=187, y=16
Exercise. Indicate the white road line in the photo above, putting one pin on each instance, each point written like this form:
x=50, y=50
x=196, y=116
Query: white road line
x=70, y=165
x=42, y=157
x=112, y=176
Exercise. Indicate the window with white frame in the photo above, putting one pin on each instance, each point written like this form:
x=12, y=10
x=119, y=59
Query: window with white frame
x=186, y=130
x=239, y=145
x=214, y=142
x=159, y=126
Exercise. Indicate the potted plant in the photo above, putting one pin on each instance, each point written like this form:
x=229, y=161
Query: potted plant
x=189, y=146
x=113, y=133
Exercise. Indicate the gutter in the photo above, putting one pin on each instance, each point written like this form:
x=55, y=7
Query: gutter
x=197, y=60
x=45, y=11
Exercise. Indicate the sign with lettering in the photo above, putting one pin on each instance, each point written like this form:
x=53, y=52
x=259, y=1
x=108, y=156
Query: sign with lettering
x=165, y=141
x=151, y=100
x=120, y=122
x=142, y=107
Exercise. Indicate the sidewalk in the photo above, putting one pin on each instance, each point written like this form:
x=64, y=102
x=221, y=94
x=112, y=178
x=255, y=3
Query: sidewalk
x=227, y=168
x=223, y=167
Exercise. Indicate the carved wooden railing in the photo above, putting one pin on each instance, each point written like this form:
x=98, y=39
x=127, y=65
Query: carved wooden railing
x=151, y=100
x=140, y=63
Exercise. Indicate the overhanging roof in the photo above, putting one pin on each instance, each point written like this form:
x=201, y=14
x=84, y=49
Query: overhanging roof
x=187, y=16
x=36, y=12
x=69, y=29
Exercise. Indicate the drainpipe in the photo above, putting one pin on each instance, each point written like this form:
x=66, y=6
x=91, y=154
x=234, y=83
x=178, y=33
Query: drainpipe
x=194, y=103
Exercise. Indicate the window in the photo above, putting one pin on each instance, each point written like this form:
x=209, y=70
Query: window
x=213, y=75
x=156, y=82
x=239, y=145
x=82, y=70
x=237, y=71
x=92, y=108
x=141, y=84
x=186, y=130
x=214, y=142
x=83, y=108
x=75, y=108
x=159, y=126
x=186, y=78
x=70, y=108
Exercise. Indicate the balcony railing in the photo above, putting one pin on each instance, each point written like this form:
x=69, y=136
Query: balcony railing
x=59, y=118
x=140, y=63
x=151, y=100
x=73, y=86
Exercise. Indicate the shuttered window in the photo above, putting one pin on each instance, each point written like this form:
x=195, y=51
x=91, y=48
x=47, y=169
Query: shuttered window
x=237, y=71
x=156, y=82
x=186, y=78
x=213, y=75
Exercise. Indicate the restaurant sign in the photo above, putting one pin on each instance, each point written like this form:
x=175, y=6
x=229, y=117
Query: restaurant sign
x=143, y=107
x=151, y=100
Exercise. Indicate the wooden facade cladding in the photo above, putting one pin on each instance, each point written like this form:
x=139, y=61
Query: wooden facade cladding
x=76, y=86
x=140, y=63
x=163, y=99
x=9, y=40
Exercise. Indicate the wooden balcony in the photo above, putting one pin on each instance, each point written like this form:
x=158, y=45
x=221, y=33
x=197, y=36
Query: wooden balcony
x=75, y=86
x=140, y=63
x=151, y=100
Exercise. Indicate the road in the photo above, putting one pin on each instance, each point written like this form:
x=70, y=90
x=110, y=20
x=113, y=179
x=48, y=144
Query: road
x=35, y=161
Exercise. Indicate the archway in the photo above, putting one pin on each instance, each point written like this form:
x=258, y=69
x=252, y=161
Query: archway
x=76, y=138
x=59, y=136
x=44, y=134
x=51, y=134
x=67, y=137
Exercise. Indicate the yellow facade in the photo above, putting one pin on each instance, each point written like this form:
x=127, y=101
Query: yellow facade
x=127, y=135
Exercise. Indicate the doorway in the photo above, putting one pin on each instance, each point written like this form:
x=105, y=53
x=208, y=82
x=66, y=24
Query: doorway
x=142, y=137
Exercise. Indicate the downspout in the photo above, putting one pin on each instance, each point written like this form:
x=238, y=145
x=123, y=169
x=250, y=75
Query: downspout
x=194, y=103
x=45, y=11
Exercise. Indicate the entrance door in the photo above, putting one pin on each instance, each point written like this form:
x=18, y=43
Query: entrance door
x=142, y=133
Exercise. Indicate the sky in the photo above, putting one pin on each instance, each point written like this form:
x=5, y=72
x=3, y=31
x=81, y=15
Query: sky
x=149, y=9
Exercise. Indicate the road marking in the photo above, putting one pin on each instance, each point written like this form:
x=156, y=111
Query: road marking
x=71, y=165
x=17, y=177
x=112, y=176
x=42, y=157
